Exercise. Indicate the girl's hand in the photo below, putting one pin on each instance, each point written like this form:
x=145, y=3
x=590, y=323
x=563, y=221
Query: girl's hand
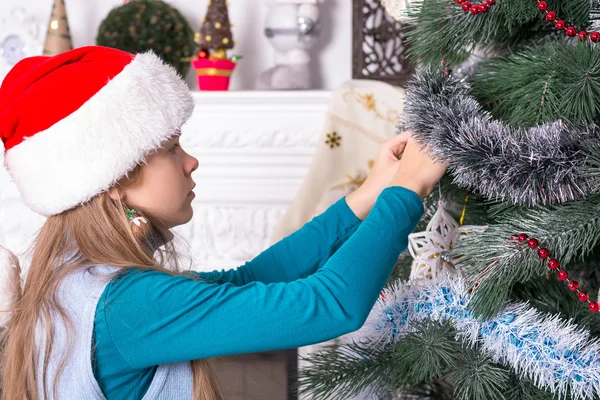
x=384, y=170
x=418, y=172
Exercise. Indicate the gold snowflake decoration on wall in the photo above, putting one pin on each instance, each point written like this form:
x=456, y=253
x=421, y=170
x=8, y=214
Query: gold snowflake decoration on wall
x=333, y=139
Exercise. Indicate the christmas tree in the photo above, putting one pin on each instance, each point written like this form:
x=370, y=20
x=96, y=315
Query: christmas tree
x=215, y=32
x=502, y=300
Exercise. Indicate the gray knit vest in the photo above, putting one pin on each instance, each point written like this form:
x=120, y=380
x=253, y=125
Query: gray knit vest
x=79, y=293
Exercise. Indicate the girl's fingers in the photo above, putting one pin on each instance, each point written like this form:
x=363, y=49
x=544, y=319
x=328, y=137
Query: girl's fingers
x=398, y=143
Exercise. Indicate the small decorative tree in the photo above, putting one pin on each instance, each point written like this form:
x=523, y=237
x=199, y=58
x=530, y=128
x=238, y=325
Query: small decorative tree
x=212, y=65
x=58, y=38
x=215, y=33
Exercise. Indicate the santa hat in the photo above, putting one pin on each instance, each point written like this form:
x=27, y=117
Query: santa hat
x=75, y=123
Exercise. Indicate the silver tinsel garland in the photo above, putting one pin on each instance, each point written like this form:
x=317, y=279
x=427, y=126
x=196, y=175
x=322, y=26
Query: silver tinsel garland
x=543, y=165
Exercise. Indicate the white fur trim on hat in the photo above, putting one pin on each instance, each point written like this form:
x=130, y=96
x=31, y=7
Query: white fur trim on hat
x=87, y=152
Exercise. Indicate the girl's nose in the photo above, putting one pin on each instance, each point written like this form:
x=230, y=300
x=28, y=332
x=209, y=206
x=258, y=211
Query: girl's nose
x=194, y=164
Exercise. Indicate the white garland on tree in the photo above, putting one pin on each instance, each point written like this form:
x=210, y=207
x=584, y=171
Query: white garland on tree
x=432, y=249
x=552, y=353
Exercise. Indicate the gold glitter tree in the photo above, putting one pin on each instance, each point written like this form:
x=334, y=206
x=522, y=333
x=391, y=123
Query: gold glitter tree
x=58, y=37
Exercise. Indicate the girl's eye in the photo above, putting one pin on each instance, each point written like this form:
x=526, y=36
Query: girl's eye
x=175, y=146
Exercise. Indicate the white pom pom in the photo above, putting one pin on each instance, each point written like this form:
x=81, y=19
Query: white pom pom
x=10, y=293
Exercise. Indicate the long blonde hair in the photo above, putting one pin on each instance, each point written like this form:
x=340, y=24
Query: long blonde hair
x=97, y=232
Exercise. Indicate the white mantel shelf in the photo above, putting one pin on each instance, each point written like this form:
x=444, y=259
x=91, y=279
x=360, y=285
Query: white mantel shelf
x=254, y=149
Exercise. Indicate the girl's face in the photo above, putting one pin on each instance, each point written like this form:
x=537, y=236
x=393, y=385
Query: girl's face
x=163, y=187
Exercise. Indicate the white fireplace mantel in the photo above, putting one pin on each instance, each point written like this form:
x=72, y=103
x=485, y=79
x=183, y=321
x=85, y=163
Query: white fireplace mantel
x=254, y=150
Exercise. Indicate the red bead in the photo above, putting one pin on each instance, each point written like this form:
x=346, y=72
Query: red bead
x=582, y=35
x=563, y=275
x=542, y=6
x=573, y=285
x=459, y=1
x=551, y=16
x=571, y=31
x=533, y=243
x=483, y=8
x=543, y=252
x=583, y=296
x=594, y=36
x=553, y=263
x=474, y=9
x=522, y=237
x=514, y=237
x=560, y=24
x=593, y=306
x=466, y=5
x=490, y=2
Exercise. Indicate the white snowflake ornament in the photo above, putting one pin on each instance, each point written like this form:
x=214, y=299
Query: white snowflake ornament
x=432, y=249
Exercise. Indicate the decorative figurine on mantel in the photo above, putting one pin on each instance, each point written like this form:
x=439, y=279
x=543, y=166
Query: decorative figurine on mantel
x=21, y=35
x=212, y=65
x=292, y=27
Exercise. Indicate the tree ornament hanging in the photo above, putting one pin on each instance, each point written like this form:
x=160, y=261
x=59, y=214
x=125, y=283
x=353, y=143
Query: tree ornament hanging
x=433, y=249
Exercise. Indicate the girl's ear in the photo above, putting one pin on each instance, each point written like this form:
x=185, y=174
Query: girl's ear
x=115, y=194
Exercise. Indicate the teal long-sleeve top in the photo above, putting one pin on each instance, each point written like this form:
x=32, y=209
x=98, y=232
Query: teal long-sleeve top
x=317, y=284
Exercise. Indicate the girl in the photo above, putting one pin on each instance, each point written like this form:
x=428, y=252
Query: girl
x=105, y=312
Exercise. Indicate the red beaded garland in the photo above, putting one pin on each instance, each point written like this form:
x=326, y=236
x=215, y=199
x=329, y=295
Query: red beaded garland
x=563, y=275
x=560, y=24
x=543, y=252
x=553, y=264
x=542, y=6
x=475, y=9
x=551, y=16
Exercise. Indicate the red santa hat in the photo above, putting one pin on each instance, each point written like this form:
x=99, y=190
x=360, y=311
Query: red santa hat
x=73, y=124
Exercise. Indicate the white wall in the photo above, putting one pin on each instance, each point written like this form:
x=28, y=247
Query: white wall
x=333, y=54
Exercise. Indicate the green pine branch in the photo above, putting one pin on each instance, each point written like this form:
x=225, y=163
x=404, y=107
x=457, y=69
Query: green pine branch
x=542, y=83
x=429, y=363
